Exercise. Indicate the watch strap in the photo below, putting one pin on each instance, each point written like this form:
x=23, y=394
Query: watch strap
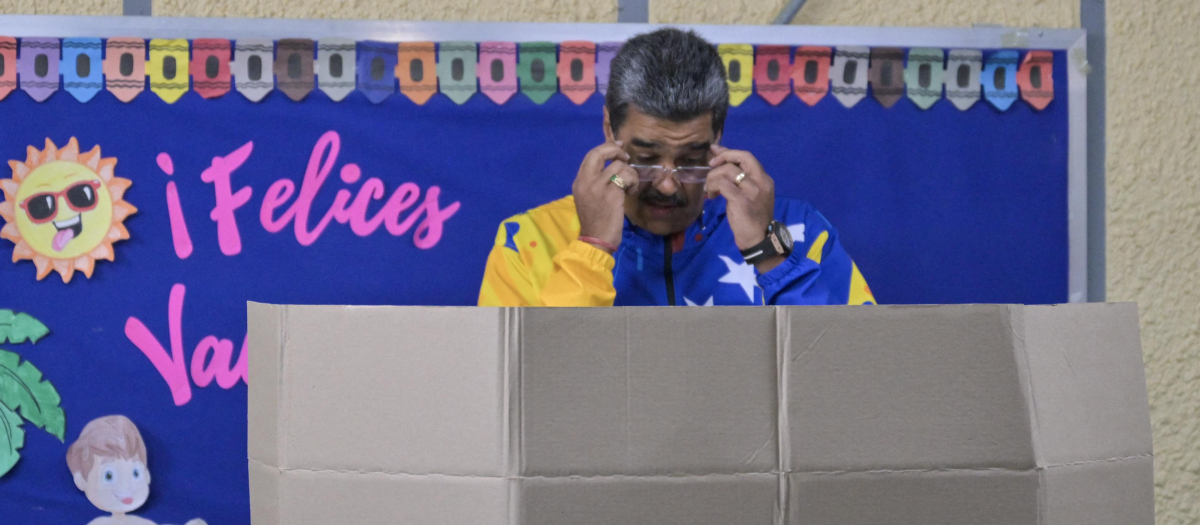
x=771, y=246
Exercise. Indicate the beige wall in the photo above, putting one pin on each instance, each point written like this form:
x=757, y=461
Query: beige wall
x=1154, y=223
x=1153, y=163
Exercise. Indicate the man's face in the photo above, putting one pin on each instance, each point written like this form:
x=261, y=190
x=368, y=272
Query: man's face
x=665, y=206
x=116, y=485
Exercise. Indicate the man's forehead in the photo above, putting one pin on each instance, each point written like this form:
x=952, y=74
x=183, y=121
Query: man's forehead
x=648, y=131
x=674, y=135
x=667, y=142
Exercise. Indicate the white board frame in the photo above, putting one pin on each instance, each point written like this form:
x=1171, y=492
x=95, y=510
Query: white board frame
x=1073, y=41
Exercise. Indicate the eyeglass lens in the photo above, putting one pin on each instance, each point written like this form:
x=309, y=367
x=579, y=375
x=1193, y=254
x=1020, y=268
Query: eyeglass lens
x=686, y=174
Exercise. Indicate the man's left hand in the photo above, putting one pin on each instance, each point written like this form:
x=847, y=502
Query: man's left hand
x=751, y=202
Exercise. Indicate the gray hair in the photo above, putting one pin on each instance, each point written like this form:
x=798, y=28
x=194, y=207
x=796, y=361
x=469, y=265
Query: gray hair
x=668, y=74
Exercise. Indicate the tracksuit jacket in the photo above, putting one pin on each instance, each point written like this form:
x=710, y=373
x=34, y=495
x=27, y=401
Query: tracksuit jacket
x=537, y=260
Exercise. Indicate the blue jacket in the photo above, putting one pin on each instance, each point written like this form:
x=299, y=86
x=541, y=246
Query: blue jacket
x=536, y=260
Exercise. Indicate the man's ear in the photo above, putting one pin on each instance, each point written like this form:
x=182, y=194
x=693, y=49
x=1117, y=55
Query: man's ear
x=80, y=483
x=608, y=131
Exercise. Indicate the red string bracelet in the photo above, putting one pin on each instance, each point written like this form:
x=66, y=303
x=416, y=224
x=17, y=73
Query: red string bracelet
x=599, y=243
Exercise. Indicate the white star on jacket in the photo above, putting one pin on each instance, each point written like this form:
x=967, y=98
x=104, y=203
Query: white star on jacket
x=797, y=231
x=741, y=274
x=689, y=302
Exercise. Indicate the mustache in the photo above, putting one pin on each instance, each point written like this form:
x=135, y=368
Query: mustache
x=654, y=197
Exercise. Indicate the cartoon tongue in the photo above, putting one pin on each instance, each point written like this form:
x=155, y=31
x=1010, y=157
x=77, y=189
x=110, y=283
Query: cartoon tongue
x=62, y=238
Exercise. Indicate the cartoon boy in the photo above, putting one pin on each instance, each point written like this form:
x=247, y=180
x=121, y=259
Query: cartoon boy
x=108, y=462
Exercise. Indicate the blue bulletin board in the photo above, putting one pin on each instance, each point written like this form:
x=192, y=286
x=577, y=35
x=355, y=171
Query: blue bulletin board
x=240, y=201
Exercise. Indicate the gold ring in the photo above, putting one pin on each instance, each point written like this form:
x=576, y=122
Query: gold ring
x=738, y=180
x=618, y=181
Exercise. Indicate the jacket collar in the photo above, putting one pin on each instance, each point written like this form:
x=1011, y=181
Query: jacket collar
x=713, y=216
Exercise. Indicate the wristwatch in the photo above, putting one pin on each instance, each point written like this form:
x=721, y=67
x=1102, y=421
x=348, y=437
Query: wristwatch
x=778, y=242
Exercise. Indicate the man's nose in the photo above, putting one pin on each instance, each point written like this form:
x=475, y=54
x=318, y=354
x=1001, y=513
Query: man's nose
x=666, y=184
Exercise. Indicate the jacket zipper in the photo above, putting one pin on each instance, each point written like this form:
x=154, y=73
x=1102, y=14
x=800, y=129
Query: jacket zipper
x=668, y=272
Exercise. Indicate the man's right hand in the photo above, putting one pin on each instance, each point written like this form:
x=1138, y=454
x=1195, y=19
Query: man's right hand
x=599, y=202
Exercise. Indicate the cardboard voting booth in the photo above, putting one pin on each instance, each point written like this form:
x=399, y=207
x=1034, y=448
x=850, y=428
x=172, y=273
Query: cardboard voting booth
x=981, y=414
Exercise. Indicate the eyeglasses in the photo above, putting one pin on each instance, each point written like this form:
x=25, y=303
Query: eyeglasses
x=42, y=207
x=685, y=174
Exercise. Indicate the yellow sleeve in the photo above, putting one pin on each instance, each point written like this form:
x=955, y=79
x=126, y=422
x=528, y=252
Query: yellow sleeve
x=506, y=281
x=582, y=276
x=578, y=275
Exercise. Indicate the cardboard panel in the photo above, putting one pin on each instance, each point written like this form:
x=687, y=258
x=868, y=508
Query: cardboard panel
x=891, y=415
x=266, y=506
x=703, y=395
x=649, y=391
x=419, y=404
x=747, y=499
x=263, y=395
x=321, y=498
x=903, y=388
x=982, y=497
x=1089, y=387
x=574, y=391
x=1100, y=493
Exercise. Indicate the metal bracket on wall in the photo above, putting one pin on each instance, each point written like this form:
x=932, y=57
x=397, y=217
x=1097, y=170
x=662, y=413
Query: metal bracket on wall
x=633, y=11
x=137, y=7
x=788, y=13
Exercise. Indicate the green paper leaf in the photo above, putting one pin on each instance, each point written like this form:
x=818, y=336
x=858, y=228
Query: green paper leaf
x=22, y=389
x=12, y=438
x=17, y=327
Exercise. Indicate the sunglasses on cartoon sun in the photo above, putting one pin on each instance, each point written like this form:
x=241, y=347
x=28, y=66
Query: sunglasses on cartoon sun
x=43, y=207
x=683, y=174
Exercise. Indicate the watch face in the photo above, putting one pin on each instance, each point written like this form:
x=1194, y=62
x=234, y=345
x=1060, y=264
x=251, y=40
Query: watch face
x=784, y=236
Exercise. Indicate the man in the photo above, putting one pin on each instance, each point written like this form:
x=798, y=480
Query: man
x=661, y=214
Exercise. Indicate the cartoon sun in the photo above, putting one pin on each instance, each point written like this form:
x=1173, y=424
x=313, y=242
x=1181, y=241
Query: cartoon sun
x=64, y=209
